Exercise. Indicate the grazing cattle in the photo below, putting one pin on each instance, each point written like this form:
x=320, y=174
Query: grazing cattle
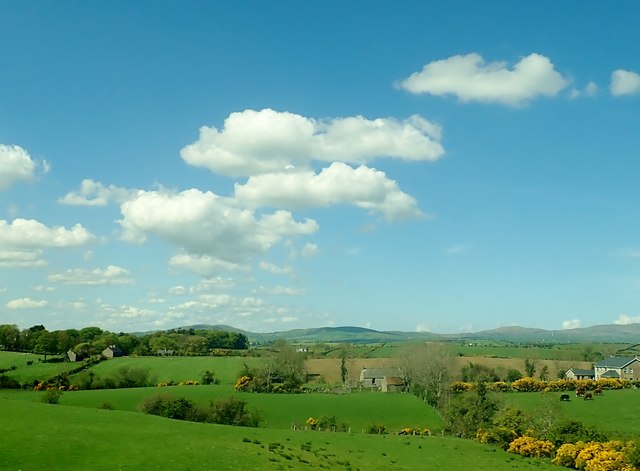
x=588, y=396
x=597, y=392
x=564, y=397
x=580, y=392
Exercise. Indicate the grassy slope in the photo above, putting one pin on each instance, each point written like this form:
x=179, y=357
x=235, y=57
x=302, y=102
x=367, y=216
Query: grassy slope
x=358, y=410
x=77, y=438
x=616, y=413
x=226, y=369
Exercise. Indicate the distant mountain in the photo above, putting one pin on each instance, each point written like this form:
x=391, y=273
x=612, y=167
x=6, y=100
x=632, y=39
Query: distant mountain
x=609, y=333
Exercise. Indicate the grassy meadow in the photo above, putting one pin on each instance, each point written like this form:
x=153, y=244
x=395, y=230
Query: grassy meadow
x=79, y=438
x=616, y=413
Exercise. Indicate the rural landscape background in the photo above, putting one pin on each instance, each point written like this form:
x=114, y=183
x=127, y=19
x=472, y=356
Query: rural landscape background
x=334, y=398
x=344, y=235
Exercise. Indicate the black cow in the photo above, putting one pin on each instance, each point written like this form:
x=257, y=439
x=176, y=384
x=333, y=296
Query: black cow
x=564, y=397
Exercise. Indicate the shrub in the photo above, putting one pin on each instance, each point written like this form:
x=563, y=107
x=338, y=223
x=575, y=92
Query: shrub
x=501, y=436
x=167, y=406
x=51, y=396
x=531, y=447
x=528, y=384
x=232, y=412
x=6, y=382
x=379, y=429
x=461, y=386
x=106, y=405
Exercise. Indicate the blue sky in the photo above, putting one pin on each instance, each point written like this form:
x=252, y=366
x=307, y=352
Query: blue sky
x=274, y=165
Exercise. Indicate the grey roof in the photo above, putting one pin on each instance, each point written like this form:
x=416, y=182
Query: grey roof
x=579, y=372
x=610, y=374
x=368, y=373
x=615, y=362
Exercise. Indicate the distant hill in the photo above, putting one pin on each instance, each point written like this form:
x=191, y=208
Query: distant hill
x=609, y=333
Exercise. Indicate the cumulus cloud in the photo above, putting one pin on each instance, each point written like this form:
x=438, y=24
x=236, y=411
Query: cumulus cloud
x=203, y=223
x=624, y=82
x=469, y=78
x=363, y=187
x=112, y=275
x=275, y=269
x=17, y=165
x=309, y=250
x=624, y=319
x=572, y=324
x=281, y=291
x=204, y=265
x=93, y=193
x=21, y=259
x=256, y=142
x=26, y=303
x=31, y=234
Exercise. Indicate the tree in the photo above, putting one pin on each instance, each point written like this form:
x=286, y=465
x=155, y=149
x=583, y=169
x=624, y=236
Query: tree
x=426, y=370
x=530, y=367
x=468, y=412
x=47, y=344
x=345, y=353
x=544, y=373
x=9, y=336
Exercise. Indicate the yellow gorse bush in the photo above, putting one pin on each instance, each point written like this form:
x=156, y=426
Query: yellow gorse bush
x=532, y=447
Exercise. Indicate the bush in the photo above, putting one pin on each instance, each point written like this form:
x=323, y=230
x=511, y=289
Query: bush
x=167, y=406
x=6, y=382
x=500, y=436
x=232, y=412
x=51, y=396
x=379, y=429
x=529, y=446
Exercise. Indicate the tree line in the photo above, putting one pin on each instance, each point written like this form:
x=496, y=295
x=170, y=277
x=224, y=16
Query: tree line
x=90, y=341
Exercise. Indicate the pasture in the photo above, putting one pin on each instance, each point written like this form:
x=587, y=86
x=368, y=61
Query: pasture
x=164, y=369
x=37, y=370
x=616, y=413
x=358, y=410
x=78, y=438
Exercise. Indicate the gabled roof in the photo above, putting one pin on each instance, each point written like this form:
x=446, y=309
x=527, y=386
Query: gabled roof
x=610, y=374
x=368, y=373
x=616, y=362
x=579, y=372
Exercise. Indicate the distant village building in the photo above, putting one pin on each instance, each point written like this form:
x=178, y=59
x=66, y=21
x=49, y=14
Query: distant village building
x=112, y=351
x=575, y=373
x=381, y=379
x=73, y=356
x=618, y=367
x=163, y=352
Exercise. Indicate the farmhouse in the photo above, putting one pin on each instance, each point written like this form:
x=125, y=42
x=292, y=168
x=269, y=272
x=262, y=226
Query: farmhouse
x=618, y=367
x=382, y=379
x=112, y=351
x=575, y=373
x=73, y=356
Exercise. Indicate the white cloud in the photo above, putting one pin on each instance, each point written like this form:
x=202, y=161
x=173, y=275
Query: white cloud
x=591, y=89
x=469, y=78
x=26, y=303
x=112, y=275
x=571, y=324
x=204, y=265
x=44, y=289
x=363, y=187
x=31, y=234
x=21, y=259
x=624, y=319
x=93, y=193
x=275, y=269
x=16, y=165
x=256, y=142
x=309, y=250
x=281, y=291
x=203, y=223
x=624, y=82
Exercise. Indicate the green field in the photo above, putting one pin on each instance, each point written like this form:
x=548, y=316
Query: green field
x=78, y=438
x=38, y=370
x=226, y=369
x=616, y=413
x=358, y=410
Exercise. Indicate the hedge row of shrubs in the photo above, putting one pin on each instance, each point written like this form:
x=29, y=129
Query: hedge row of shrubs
x=613, y=455
x=219, y=411
x=532, y=384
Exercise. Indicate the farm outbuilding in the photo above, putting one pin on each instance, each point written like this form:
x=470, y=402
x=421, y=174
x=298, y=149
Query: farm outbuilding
x=112, y=351
x=382, y=379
